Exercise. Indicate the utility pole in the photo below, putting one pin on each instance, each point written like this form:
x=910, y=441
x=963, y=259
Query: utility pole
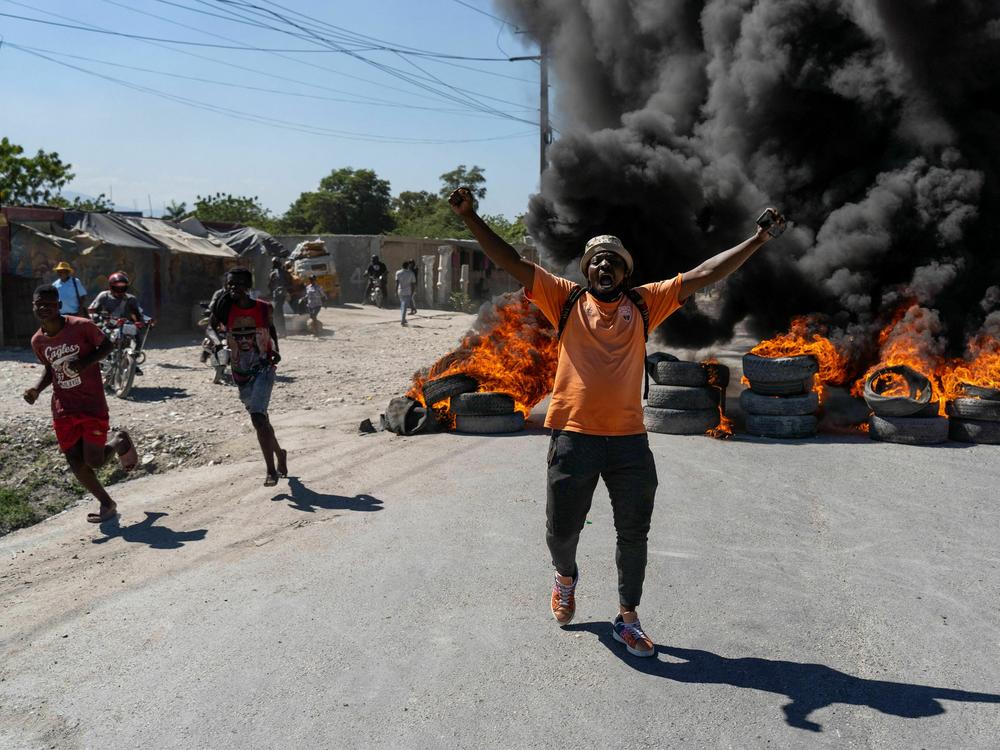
x=544, y=129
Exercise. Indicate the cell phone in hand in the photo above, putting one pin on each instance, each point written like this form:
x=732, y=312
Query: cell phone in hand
x=455, y=198
x=768, y=220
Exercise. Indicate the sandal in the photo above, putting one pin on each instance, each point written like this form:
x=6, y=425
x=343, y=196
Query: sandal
x=129, y=457
x=271, y=479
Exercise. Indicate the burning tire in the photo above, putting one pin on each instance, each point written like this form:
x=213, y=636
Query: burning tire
x=978, y=391
x=436, y=391
x=484, y=403
x=672, y=371
x=897, y=406
x=908, y=430
x=683, y=397
x=974, y=408
x=784, y=426
x=779, y=406
x=974, y=431
x=782, y=387
x=489, y=424
x=779, y=369
x=680, y=421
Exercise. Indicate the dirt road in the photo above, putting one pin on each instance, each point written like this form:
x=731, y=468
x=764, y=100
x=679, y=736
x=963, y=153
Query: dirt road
x=393, y=591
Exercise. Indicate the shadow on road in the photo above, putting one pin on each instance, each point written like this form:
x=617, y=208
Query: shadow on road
x=810, y=687
x=144, y=532
x=157, y=393
x=302, y=498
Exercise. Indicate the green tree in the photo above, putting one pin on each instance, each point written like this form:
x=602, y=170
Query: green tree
x=100, y=204
x=27, y=180
x=175, y=211
x=472, y=178
x=348, y=201
x=239, y=209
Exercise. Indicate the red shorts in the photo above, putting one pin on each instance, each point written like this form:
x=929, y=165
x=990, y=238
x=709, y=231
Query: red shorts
x=73, y=428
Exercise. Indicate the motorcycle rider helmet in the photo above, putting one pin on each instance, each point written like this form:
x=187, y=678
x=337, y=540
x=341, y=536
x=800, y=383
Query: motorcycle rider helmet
x=118, y=283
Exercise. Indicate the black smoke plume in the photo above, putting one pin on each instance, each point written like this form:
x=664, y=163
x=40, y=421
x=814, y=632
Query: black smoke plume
x=872, y=124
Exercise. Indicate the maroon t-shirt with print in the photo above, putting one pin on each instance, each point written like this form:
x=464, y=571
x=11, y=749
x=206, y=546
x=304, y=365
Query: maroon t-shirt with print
x=73, y=392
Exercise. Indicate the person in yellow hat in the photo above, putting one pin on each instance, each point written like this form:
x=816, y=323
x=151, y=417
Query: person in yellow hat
x=72, y=295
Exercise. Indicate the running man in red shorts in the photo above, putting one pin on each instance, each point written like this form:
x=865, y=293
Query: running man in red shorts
x=70, y=349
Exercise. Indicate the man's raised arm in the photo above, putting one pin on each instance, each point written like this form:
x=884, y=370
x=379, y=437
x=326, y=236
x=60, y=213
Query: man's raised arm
x=720, y=266
x=499, y=251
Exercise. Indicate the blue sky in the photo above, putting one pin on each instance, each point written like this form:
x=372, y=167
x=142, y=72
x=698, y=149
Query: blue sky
x=355, y=106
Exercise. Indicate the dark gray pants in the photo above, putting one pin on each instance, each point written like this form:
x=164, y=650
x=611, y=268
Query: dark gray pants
x=576, y=461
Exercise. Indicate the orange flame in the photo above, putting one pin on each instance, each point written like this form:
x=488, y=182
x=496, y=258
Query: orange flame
x=981, y=367
x=805, y=336
x=516, y=353
x=723, y=430
x=907, y=339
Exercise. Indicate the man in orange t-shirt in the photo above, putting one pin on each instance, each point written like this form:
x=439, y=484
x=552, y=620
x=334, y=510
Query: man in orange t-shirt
x=595, y=412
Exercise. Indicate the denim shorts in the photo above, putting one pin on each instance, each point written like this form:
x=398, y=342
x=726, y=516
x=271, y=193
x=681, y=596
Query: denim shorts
x=256, y=395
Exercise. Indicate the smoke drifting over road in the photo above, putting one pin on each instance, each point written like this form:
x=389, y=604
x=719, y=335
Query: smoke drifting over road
x=873, y=124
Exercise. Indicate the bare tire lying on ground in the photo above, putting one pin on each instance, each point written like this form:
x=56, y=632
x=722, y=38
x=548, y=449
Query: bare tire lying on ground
x=779, y=406
x=680, y=421
x=483, y=402
x=682, y=397
x=447, y=387
x=908, y=430
x=779, y=369
x=897, y=406
x=974, y=431
x=489, y=424
x=974, y=408
x=782, y=387
x=785, y=427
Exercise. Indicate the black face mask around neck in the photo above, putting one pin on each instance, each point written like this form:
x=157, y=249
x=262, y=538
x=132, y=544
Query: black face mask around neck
x=607, y=296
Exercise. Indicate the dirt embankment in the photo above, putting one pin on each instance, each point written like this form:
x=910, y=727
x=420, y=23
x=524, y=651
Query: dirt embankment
x=180, y=419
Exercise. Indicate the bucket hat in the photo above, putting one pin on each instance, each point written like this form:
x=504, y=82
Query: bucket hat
x=607, y=243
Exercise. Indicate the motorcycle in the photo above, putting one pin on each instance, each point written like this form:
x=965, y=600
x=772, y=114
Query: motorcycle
x=121, y=366
x=376, y=291
x=214, y=349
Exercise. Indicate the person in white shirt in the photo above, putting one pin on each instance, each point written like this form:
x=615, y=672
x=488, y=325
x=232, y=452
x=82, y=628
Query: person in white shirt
x=406, y=280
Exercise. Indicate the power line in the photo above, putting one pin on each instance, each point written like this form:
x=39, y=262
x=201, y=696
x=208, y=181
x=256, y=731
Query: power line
x=389, y=70
x=230, y=84
x=83, y=26
x=262, y=119
x=470, y=6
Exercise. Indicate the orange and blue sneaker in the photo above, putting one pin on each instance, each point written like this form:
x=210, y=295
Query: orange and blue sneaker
x=633, y=636
x=564, y=599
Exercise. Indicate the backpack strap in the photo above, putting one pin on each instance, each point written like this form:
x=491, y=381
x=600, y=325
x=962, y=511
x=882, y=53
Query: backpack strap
x=638, y=301
x=575, y=293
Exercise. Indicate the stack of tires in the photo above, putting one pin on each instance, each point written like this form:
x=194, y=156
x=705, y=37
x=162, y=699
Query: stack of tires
x=975, y=418
x=486, y=412
x=909, y=420
x=685, y=398
x=483, y=412
x=780, y=402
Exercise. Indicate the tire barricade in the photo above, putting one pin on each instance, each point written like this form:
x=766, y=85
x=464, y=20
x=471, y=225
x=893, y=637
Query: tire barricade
x=975, y=418
x=486, y=413
x=685, y=398
x=780, y=402
x=911, y=419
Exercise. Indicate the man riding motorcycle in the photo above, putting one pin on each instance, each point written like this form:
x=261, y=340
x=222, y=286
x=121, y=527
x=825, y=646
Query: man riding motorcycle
x=116, y=303
x=376, y=272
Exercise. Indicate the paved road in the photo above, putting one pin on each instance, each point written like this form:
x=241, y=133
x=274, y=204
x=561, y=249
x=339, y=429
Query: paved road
x=393, y=594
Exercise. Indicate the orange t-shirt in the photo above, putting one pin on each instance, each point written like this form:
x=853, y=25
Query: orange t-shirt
x=602, y=355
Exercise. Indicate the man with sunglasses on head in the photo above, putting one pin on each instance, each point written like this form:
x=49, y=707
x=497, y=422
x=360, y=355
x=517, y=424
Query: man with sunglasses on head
x=253, y=342
x=595, y=412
